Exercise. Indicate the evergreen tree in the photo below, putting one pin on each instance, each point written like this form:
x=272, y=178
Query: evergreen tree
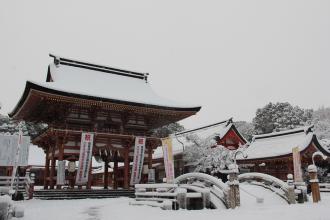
x=280, y=116
x=246, y=129
x=321, y=121
x=9, y=126
x=166, y=130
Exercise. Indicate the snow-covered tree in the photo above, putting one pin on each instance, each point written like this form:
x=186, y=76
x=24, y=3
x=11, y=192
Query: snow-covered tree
x=246, y=129
x=206, y=156
x=9, y=126
x=321, y=121
x=166, y=130
x=280, y=116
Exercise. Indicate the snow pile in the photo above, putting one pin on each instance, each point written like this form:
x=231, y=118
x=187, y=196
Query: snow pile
x=119, y=209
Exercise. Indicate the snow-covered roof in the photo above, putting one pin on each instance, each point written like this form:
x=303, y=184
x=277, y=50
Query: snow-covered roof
x=105, y=82
x=181, y=140
x=76, y=79
x=280, y=143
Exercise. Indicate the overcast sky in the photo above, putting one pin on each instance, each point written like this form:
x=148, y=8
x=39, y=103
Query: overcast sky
x=230, y=57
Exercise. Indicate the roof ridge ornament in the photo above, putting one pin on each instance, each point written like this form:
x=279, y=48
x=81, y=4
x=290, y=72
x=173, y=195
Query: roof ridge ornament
x=101, y=68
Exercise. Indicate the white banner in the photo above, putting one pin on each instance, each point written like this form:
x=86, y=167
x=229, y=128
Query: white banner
x=168, y=159
x=140, y=143
x=60, y=172
x=85, y=157
x=8, y=150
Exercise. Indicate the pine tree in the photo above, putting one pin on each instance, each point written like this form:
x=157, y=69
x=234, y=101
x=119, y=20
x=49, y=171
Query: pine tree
x=166, y=130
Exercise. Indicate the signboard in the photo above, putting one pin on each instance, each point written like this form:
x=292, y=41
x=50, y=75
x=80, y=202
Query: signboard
x=9, y=148
x=71, y=166
x=297, y=165
x=60, y=172
x=85, y=157
x=139, y=149
x=168, y=159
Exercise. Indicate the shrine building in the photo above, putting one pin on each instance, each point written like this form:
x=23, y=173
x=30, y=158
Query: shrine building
x=115, y=104
x=223, y=133
x=272, y=153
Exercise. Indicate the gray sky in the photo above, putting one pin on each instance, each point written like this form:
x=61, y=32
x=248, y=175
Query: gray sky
x=230, y=57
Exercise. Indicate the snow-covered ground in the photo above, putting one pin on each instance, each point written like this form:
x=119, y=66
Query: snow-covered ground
x=119, y=209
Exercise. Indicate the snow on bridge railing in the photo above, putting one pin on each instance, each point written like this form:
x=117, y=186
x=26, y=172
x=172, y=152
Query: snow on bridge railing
x=265, y=178
x=281, y=188
x=204, y=177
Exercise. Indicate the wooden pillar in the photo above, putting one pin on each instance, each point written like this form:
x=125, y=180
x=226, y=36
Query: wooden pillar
x=233, y=193
x=126, y=168
x=52, y=170
x=90, y=175
x=106, y=174
x=46, y=173
x=60, y=147
x=313, y=180
x=150, y=156
x=115, y=170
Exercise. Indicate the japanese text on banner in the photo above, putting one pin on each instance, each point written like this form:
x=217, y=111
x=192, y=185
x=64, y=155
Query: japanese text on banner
x=168, y=159
x=85, y=156
x=138, y=159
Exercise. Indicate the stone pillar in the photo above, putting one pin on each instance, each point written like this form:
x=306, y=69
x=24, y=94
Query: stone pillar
x=115, y=171
x=291, y=194
x=126, y=168
x=313, y=180
x=52, y=170
x=233, y=193
x=181, y=197
x=106, y=174
x=46, y=173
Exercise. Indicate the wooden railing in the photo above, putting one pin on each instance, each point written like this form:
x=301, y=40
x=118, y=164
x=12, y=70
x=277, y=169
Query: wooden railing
x=325, y=187
x=171, y=196
x=22, y=183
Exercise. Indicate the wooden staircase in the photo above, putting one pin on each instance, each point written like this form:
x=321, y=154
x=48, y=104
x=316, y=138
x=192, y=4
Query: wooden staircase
x=82, y=194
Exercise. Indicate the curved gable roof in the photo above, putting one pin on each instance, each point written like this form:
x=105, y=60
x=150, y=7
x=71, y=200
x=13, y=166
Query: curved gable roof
x=89, y=81
x=281, y=143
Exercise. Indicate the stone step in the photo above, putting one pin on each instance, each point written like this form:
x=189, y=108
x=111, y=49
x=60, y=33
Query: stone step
x=81, y=194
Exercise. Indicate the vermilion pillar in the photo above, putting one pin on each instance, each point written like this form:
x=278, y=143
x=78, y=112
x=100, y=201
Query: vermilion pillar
x=115, y=171
x=126, y=168
x=106, y=174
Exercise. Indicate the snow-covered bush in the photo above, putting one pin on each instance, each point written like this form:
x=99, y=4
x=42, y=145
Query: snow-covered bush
x=207, y=156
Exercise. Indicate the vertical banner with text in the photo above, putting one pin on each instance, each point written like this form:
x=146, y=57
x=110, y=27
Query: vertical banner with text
x=168, y=159
x=139, y=149
x=297, y=165
x=85, y=157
